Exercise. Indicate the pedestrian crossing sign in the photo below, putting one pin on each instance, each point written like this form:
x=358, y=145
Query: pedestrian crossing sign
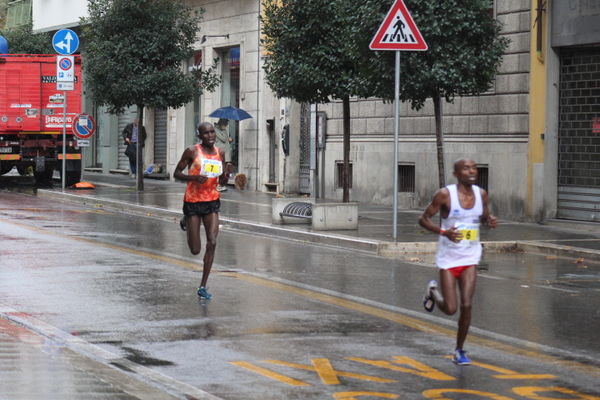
x=398, y=31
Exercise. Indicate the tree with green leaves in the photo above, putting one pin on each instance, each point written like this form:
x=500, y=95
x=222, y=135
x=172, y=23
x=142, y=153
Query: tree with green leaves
x=134, y=51
x=319, y=51
x=21, y=40
x=465, y=52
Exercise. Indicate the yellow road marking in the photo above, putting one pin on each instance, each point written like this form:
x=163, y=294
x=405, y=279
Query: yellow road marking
x=532, y=392
x=354, y=395
x=269, y=374
x=396, y=317
x=438, y=394
x=418, y=368
x=327, y=373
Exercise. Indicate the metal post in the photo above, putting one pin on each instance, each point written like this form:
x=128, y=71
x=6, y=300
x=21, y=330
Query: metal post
x=64, y=149
x=396, y=134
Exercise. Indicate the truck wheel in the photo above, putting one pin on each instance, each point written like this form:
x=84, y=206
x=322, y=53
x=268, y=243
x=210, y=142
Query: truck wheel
x=4, y=168
x=22, y=169
x=43, y=177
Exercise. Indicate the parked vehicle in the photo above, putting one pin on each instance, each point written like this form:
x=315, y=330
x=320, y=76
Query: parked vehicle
x=32, y=117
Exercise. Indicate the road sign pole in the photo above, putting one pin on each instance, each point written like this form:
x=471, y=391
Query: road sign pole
x=396, y=146
x=64, y=149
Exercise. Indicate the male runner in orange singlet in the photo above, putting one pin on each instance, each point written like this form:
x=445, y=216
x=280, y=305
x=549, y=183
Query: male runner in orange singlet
x=205, y=163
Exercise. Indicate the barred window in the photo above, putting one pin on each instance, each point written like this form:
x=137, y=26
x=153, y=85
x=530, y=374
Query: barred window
x=406, y=178
x=339, y=165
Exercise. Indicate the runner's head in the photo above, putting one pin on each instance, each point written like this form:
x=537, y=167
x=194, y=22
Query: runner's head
x=465, y=171
x=206, y=134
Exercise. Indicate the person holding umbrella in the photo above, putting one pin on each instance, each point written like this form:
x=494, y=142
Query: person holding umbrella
x=224, y=143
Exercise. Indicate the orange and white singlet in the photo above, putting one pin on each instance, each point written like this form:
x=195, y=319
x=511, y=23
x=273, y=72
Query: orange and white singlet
x=209, y=165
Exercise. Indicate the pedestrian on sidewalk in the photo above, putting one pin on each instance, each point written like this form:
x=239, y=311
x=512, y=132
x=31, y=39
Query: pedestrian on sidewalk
x=133, y=134
x=201, y=203
x=463, y=207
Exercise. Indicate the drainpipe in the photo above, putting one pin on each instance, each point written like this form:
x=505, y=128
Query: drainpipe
x=258, y=106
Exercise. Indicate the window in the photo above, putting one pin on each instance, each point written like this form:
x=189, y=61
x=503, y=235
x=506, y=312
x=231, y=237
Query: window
x=339, y=165
x=18, y=13
x=406, y=178
x=482, y=177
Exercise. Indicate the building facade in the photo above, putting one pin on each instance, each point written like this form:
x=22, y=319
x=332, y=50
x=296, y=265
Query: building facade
x=532, y=160
x=568, y=69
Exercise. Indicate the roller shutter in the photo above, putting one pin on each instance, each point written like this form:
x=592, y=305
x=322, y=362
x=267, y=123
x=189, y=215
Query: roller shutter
x=579, y=135
x=160, y=137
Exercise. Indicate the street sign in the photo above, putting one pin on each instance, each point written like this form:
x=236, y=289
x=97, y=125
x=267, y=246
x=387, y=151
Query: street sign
x=84, y=126
x=65, y=69
x=83, y=143
x=65, y=86
x=398, y=31
x=65, y=42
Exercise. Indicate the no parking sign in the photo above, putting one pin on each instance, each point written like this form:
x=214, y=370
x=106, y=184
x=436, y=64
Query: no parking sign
x=84, y=126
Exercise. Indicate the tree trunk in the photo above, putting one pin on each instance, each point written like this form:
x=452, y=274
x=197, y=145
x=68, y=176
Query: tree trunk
x=139, y=162
x=439, y=135
x=346, y=169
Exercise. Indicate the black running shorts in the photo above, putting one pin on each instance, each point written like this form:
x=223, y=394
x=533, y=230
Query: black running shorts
x=202, y=208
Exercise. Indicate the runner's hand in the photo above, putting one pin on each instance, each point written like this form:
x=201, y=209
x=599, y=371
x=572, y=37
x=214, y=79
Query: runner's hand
x=201, y=178
x=453, y=234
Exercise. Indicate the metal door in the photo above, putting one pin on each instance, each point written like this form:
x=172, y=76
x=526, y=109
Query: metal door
x=579, y=135
x=304, y=145
x=160, y=137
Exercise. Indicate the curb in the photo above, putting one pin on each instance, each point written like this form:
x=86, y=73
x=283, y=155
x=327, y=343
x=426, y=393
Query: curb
x=370, y=246
x=110, y=360
x=397, y=250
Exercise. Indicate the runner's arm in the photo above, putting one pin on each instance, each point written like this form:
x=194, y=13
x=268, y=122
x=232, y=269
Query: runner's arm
x=186, y=160
x=441, y=200
x=486, y=217
x=224, y=178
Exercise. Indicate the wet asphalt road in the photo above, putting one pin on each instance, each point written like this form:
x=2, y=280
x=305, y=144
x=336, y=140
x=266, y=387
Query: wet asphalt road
x=292, y=320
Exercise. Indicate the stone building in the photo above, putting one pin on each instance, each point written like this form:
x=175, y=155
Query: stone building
x=543, y=95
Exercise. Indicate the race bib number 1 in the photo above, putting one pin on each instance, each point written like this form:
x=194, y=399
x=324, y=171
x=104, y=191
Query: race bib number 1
x=212, y=168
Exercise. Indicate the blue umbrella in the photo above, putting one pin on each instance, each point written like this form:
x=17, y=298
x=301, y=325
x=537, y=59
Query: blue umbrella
x=229, y=112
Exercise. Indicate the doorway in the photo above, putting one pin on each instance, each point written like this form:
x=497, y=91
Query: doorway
x=230, y=94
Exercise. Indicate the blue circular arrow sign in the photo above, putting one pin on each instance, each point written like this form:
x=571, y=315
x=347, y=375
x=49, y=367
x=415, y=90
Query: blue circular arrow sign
x=65, y=42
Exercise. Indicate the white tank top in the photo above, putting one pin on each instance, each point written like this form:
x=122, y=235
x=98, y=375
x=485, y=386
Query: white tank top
x=468, y=250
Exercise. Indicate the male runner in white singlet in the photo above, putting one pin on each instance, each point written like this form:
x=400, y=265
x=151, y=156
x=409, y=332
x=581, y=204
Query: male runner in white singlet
x=463, y=207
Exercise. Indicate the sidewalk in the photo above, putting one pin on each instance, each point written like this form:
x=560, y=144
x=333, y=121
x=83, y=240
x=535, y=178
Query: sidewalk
x=251, y=211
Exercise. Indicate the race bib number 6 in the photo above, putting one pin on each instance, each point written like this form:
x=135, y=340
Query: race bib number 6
x=470, y=232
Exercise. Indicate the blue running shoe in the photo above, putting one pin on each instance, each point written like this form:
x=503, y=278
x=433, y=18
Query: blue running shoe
x=428, y=301
x=202, y=292
x=460, y=357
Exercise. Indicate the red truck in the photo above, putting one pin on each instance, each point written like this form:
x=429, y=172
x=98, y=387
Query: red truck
x=32, y=117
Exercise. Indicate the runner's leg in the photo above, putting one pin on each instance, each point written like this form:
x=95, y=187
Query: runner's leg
x=448, y=302
x=211, y=226
x=466, y=284
x=193, y=233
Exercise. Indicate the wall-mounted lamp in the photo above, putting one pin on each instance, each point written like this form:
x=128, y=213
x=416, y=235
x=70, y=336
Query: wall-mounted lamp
x=204, y=37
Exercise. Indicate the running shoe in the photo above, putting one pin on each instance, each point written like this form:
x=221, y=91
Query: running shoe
x=428, y=301
x=460, y=357
x=203, y=293
x=183, y=224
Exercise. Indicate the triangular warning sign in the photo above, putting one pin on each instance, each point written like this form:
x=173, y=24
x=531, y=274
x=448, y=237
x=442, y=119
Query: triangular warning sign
x=398, y=31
